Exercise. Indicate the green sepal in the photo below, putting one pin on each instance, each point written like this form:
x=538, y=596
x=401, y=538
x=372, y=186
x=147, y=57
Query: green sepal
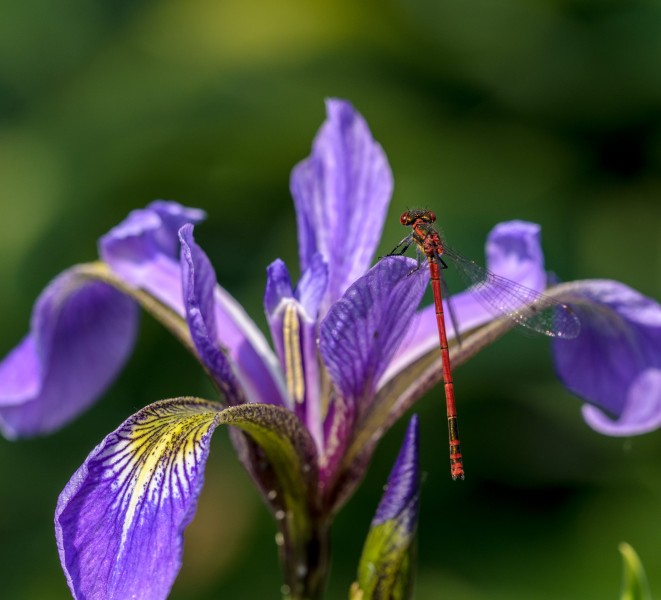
x=634, y=580
x=384, y=571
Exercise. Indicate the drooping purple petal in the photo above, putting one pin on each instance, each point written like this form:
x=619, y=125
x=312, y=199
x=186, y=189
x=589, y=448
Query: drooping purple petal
x=120, y=520
x=641, y=412
x=199, y=282
x=144, y=249
x=81, y=334
x=228, y=334
x=614, y=362
x=513, y=251
x=362, y=331
x=341, y=192
x=20, y=374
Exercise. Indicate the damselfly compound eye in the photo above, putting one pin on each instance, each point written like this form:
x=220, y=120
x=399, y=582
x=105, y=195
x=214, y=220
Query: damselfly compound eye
x=431, y=216
x=404, y=219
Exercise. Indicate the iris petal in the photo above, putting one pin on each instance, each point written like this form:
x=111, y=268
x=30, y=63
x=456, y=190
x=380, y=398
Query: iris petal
x=120, y=520
x=614, y=361
x=312, y=286
x=642, y=409
x=82, y=332
x=222, y=330
x=292, y=317
x=278, y=286
x=341, y=193
x=144, y=249
x=199, y=282
x=279, y=293
x=362, y=331
x=357, y=340
x=514, y=251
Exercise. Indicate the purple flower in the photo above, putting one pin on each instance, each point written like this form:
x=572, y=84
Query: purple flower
x=351, y=355
x=83, y=327
x=615, y=363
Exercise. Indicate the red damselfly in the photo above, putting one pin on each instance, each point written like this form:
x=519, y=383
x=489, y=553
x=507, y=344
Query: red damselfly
x=499, y=295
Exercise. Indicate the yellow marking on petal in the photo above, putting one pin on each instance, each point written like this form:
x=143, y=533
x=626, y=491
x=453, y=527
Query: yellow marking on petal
x=293, y=360
x=156, y=457
x=326, y=391
x=333, y=440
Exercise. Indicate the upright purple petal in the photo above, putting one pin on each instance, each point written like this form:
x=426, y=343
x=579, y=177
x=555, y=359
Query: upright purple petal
x=144, y=249
x=81, y=334
x=307, y=297
x=614, y=362
x=278, y=286
x=223, y=333
x=292, y=317
x=280, y=306
x=362, y=331
x=310, y=292
x=312, y=286
x=341, y=192
x=119, y=522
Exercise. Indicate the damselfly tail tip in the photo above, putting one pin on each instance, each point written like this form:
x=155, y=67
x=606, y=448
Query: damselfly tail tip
x=457, y=471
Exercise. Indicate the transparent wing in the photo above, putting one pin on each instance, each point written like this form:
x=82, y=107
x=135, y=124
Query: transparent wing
x=504, y=297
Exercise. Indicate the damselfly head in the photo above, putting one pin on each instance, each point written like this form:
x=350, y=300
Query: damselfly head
x=410, y=217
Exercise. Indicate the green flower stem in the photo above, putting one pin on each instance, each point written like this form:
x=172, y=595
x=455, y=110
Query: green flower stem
x=305, y=556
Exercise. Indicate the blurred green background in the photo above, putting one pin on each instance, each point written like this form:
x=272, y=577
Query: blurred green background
x=546, y=110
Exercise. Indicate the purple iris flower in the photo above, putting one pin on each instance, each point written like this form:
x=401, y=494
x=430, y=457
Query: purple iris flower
x=351, y=354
